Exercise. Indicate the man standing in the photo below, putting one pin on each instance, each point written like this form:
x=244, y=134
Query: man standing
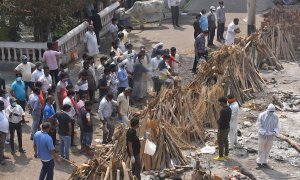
x=36, y=113
x=211, y=26
x=105, y=114
x=17, y=90
x=114, y=29
x=224, y=126
x=123, y=105
x=4, y=97
x=203, y=21
x=15, y=115
x=90, y=79
x=221, y=21
x=133, y=147
x=154, y=70
x=44, y=150
x=72, y=113
x=64, y=130
x=46, y=81
x=4, y=126
x=87, y=127
x=25, y=68
x=123, y=77
x=200, y=50
x=130, y=56
x=48, y=112
x=97, y=25
x=268, y=127
x=197, y=28
x=114, y=81
x=37, y=73
x=234, y=106
x=51, y=57
x=90, y=42
x=104, y=83
x=174, y=6
x=232, y=30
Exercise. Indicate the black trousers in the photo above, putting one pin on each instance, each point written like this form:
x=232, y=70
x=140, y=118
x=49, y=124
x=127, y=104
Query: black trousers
x=196, y=60
x=211, y=35
x=52, y=134
x=22, y=104
x=12, y=128
x=97, y=35
x=175, y=14
x=54, y=75
x=220, y=31
x=73, y=130
x=223, y=142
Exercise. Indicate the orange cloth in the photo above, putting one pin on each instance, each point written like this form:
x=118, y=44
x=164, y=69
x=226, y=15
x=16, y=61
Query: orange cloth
x=231, y=100
x=41, y=98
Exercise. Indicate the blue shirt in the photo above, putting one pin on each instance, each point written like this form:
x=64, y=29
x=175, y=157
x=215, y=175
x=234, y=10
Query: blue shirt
x=123, y=77
x=48, y=112
x=204, y=23
x=44, y=145
x=19, y=90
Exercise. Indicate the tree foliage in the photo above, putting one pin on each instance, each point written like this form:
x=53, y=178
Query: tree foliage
x=45, y=16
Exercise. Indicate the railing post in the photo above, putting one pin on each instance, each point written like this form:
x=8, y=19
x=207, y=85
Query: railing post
x=3, y=56
x=8, y=54
x=27, y=53
x=15, y=54
x=40, y=54
x=33, y=55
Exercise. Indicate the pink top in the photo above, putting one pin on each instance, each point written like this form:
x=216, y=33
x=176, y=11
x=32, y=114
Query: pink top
x=50, y=57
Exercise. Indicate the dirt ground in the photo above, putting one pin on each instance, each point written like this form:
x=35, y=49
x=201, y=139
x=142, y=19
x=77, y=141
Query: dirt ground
x=284, y=159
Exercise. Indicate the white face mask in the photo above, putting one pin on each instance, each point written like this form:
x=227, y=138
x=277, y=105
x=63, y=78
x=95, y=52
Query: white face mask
x=19, y=79
x=66, y=69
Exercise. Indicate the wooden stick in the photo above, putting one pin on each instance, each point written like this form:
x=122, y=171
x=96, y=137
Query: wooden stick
x=294, y=144
x=107, y=173
x=118, y=174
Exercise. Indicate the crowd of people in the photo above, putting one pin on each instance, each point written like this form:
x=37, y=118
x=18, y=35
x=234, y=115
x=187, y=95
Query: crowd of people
x=57, y=104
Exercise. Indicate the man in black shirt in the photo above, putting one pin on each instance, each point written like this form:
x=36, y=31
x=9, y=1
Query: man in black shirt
x=64, y=130
x=223, y=123
x=87, y=128
x=133, y=147
x=104, y=83
x=197, y=28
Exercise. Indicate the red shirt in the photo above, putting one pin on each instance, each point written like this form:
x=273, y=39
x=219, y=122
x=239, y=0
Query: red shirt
x=170, y=61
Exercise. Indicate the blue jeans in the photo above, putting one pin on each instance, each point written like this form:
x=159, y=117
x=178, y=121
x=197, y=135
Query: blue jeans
x=87, y=138
x=65, y=143
x=47, y=170
x=35, y=123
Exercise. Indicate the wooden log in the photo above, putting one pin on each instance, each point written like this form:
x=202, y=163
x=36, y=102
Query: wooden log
x=107, y=173
x=125, y=171
x=118, y=174
x=294, y=144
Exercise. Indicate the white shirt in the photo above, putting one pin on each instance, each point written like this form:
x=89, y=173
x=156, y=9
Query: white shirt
x=121, y=46
x=100, y=71
x=105, y=109
x=36, y=75
x=91, y=40
x=154, y=66
x=131, y=55
x=230, y=34
x=25, y=70
x=114, y=28
x=15, y=110
x=173, y=3
x=5, y=101
x=114, y=82
x=72, y=112
x=129, y=65
x=123, y=104
x=4, y=125
x=83, y=86
x=46, y=81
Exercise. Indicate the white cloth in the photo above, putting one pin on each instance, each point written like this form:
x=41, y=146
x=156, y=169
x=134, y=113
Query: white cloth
x=230, y=34
x=91, y=40
x=154, y=66
x=5, y=101
x=123, y=104
x=36, y=75
x=81, y=86
x=100, y=71
x=46, y=81
x=25, y=70
x=72, y=112
x=268, y=126
x=114, y=29
x=127, y=55
x=233, y=123
x=125, y=120
x=4, y=125
x=121, y=46
x=173, y=3
x=113, y=85
x=129, y=65
x=106, y=108
x=15, y=110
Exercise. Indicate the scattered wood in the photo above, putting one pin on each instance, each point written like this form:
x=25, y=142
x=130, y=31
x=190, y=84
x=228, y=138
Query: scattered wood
x=294, y=144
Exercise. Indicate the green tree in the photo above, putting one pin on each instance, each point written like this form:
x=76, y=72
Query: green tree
x=43, y=15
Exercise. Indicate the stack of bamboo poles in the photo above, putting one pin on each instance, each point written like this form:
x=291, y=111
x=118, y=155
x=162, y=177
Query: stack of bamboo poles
x=280, y=41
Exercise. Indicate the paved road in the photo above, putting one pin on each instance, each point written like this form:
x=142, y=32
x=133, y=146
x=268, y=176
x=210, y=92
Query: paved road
x=234, y=6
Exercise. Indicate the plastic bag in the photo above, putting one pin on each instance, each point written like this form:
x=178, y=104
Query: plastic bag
x=150, y=148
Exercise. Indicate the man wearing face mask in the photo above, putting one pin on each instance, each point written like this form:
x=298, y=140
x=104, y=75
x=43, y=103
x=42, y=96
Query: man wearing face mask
x=61, y=89
x=154, y=69
x=104, y=83
x=15, y=116
x=48, y=112
x=69, y=100
x=82, y=85
x=25, y=68
x=130, y=56
x=4, y=126
x=36, y=106
x=37, y=73
x=17, y=90
x=232, y=30
x=123, y=77
x=46, y=80
x=90, y=42
x=90, y=78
